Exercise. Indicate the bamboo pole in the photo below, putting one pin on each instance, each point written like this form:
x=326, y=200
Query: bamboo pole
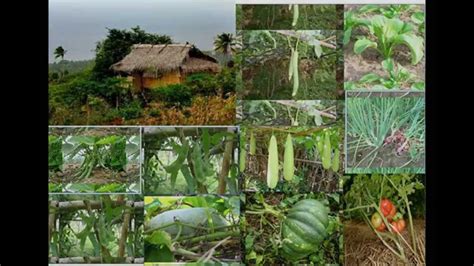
x=124, y=232
x=94, y=205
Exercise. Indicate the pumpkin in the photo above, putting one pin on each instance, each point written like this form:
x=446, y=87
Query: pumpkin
x=304, y=228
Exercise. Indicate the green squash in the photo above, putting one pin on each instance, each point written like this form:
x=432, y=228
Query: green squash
x=192, y=216
x=304, y=228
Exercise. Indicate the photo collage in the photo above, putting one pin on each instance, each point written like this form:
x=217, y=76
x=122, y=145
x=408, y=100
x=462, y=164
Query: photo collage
x=213, y=133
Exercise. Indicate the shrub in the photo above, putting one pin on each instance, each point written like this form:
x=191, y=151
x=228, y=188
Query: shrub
x=173, y=95
x=132, y=110
x=202, y=83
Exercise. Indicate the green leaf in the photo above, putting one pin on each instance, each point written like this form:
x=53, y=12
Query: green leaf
x=318, y=50
x=418, y=17
x=160, y=237
x=362, y=44
x=107, y=140
x=414, y=43
x=155, y=253
x=369, y=78
x=388, y=64
x=347, y=36
x=418, y=85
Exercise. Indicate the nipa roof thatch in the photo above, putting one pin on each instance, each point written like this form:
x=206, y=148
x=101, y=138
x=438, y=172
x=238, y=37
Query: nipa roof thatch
x=152, y=60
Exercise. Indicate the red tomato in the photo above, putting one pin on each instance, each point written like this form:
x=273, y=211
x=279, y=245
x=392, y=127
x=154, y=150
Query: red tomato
x=392, y=214
x=401, y=224
x=386, y=207
x=398, y=226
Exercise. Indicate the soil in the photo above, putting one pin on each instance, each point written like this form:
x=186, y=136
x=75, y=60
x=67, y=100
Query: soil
x=363, y=247
x=386, y=157
x=98, y=175
x=356, y=66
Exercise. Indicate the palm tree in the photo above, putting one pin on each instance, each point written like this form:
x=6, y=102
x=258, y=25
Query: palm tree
x=226, y=44
x=59, y=52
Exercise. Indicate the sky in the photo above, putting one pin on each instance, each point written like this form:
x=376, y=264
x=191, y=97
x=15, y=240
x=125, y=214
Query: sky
x=77, y=25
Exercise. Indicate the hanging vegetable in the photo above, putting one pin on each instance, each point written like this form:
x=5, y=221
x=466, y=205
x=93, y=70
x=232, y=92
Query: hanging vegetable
x=243, y=153
x=272, y=165
x=290, y=68
x=288, y=162
x=296, y=14
x=326, y=157
x=296, y=80
x=253, y=144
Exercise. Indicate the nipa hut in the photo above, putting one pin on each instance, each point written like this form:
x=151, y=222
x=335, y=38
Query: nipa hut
x=151, y=66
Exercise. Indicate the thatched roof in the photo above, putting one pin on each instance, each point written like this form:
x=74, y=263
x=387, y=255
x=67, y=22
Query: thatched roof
x=152, y=60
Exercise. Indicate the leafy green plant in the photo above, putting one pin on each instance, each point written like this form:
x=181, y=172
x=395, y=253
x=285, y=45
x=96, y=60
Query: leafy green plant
x=386, y=34
x=55, y=153
x=398, y=78
x=351, y=21
x=202, y=83
x=132, y=110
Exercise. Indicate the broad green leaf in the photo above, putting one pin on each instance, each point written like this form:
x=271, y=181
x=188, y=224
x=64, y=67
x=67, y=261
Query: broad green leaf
x=347, y=36
x=368, y=8
x=418, y=85
x=206, y=141
x=154, y=253
x=318, y=50
x=415, y=43
x=160, y=237
x=418, y=17
x=388, y=64
x=107, y=140
x=362, y=44
x=369, y=78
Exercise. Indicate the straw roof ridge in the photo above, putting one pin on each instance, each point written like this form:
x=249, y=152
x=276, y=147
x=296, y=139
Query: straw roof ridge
x=152, y=59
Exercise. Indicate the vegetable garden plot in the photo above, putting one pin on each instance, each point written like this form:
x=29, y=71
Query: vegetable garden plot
x=202, y=229
x=301, y=17
x=385, y=132
x=287, y=64
x=384, y=219
x=94, y=160
x=384, y=47
x=96, y=229
x=190, y=160
x=293, y=159
x=299, y=229
x=287, y=113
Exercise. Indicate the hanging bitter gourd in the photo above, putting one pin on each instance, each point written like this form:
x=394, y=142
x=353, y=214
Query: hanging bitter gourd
x=288, y=159
x=272, y=164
